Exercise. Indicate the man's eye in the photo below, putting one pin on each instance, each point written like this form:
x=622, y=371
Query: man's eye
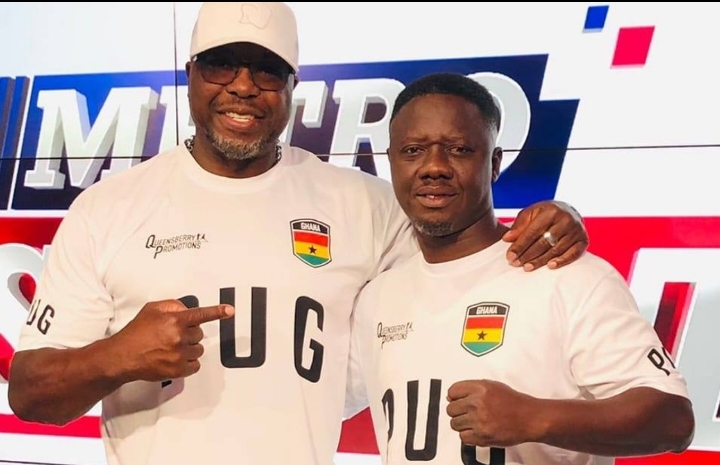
x=271, y=68
x=460, y=150
x=221, y=64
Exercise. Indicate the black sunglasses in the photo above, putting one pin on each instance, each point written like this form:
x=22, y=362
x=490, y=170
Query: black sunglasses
x=270, y=74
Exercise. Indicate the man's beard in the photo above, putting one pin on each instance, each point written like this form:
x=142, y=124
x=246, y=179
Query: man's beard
x=434, y=228
x=238, y=151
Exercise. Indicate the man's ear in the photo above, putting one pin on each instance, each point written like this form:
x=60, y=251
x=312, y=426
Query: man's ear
x=496, y=162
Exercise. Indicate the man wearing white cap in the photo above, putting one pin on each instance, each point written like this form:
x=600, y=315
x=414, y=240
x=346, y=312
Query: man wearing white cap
x=231, y=250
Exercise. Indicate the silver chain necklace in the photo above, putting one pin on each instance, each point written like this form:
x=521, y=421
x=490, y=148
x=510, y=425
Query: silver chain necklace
x=190, y=145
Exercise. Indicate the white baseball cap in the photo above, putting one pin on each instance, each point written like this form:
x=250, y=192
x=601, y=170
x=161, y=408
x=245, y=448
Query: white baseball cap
x=269, y=24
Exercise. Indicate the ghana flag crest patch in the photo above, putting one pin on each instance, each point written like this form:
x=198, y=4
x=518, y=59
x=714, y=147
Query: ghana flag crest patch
x=484, y=328
x=311, y=242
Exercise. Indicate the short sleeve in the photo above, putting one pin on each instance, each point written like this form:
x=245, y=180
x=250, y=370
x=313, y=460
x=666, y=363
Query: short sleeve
x=356, y=396
x=71, y=307
x=393, y=234
x=613, y=348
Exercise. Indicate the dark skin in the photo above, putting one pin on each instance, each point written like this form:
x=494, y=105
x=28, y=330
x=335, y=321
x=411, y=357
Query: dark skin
x=443, y=162
x=640, y=421
x=531, y=251
x=442, y=174
x=237, y=128
x=215, y=107
x=164, y=341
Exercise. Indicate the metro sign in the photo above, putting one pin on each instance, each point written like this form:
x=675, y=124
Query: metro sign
x=669, y=261
x=70, y=131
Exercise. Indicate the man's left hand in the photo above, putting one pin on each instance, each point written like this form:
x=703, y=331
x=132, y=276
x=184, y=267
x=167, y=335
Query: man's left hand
x=548, y=233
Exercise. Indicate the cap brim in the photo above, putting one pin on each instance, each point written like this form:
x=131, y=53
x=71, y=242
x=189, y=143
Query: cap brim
x=236, y=39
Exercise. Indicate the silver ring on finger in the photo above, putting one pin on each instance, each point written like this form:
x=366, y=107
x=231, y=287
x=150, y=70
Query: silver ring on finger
x=550, y=238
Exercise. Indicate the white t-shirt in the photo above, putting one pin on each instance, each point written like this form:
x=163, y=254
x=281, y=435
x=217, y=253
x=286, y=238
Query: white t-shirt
x=290, y=249
x=570, y=333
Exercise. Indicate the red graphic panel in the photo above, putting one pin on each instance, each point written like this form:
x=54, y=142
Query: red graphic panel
x=615, y=239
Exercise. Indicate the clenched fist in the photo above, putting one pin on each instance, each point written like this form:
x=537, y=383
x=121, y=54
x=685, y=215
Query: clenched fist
x=163, y=341
x=491, y=414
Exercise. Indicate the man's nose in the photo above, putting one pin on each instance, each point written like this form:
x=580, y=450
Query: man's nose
x=436, y=163
x=243, y=85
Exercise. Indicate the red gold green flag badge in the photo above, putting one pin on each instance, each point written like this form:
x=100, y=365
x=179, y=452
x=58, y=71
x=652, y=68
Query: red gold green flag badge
x=484, y=328
x=311, y=242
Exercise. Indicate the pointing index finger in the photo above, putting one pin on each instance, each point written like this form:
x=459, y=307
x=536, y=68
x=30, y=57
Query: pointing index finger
x=199, y=315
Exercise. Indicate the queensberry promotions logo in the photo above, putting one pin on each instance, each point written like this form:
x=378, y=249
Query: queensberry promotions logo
x=160, y=245
x=79, y=129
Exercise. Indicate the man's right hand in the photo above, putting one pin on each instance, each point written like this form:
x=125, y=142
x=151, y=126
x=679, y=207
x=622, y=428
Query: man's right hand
x=163, y=341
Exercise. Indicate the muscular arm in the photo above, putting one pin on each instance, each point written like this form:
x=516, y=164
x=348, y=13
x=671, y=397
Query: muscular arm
x=162, y=342
x=640, y=421
x=609, y=346
x=62, y=368
x=57, y=386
